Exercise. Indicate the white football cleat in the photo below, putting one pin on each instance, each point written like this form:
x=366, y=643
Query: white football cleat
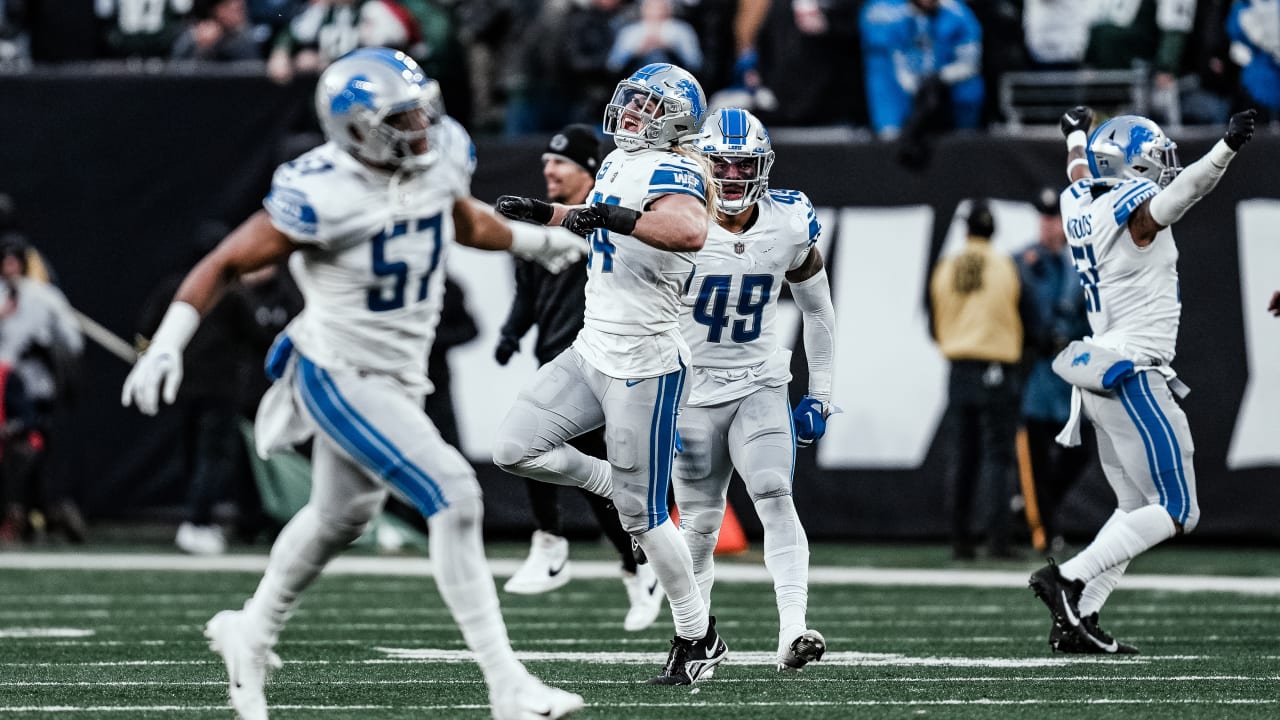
x=529, y=699
x=645, y=593
x=546, y=568
x=809, y=646
x=200, y=539
x=247, y=663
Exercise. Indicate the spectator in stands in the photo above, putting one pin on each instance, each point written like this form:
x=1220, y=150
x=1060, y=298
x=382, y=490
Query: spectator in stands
x=389, y=24
x=40, y=339
x=324, y=31
x=587, y=36
x=656, y=37
x=922, y=52
x=1048, y=275
x=15, y=41
x=1145, y=32
x=1254, y=29
x=217, y=363
x=221, y=31
x=817, y=41
x=140, y=28
x=1055, y=34
x=978, y=308
x=270, y=17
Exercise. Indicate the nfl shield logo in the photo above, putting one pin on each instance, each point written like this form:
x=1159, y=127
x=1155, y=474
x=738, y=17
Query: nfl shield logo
x=739, y=248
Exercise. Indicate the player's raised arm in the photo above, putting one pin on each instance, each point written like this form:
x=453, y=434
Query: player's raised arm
x=1193, y=183
x=1075, y=124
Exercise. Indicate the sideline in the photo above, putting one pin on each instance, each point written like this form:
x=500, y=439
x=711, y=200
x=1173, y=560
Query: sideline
x=599, y=569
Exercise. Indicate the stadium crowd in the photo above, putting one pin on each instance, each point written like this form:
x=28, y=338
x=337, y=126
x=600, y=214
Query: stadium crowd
x=520, y=66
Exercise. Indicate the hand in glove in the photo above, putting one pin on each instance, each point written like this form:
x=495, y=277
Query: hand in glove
x=531, y=210
x=1240, y=129
x=614, y=218
x=810, y=420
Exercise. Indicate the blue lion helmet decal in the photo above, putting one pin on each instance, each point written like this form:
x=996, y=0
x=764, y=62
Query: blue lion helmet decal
x=1138, y=136
x=692, y=94
x=358, y=91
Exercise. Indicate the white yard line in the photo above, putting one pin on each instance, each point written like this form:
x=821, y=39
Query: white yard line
x=594, y=569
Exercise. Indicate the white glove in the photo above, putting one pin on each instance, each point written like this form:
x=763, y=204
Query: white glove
x=553, y=248
x=160, y=367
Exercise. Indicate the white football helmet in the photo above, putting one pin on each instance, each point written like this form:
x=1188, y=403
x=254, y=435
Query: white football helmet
x=654, y=108
x=741, y=155
x=379, y=105
x=1130, y=146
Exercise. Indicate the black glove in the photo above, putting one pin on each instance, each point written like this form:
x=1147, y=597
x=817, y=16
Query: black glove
x=507, y=346
x=614, y=218
x=1240, y=129
x=1079, y=118
x=523, y=208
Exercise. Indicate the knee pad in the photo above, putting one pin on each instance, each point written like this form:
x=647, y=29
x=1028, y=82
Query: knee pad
x=767, y=483
x=704, y=522
x=633, y=511
x=513, y=445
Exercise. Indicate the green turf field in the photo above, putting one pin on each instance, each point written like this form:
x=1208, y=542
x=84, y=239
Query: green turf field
x=126, y=644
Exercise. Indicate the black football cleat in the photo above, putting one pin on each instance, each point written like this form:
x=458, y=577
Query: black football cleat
x=1060, y=595
x=1093, y=640
x=808, y=647
x=692, y=660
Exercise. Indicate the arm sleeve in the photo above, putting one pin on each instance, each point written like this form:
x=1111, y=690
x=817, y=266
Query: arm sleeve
x=1193, y=183
x=813, y=297
x=520, y=316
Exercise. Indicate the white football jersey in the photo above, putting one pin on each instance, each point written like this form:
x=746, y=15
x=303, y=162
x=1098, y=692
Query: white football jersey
x=733, y=299
x=1131, y=292
x=372, y=251
x=632, y=327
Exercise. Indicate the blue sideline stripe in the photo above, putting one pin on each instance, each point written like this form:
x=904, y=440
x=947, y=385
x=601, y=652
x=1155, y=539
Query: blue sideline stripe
x=662, y=442
x=1180, y=477
x=1163, y=454
x=357, y=436
x=1146, y=438
x=792, y=427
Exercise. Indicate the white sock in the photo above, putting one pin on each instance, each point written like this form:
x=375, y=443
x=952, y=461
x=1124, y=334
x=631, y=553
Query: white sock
x=702, y=550
x=300, y=552
x=566, y=465
x=669, y=557
x=462, y=575
x=1099, y=589
x=1124, y=537
x=786, y=555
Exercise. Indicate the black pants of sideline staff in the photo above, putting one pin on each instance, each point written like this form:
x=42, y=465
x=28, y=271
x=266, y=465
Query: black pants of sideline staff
x=981, y=424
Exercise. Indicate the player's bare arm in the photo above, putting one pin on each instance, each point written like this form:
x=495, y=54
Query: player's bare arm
x=476, y=225
x=255, y=244
x=673, y=222
x=811, y=266
x=1192, y=184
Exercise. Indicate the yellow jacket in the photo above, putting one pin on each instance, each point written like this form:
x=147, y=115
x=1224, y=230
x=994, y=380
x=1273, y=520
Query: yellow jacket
x=975, y=305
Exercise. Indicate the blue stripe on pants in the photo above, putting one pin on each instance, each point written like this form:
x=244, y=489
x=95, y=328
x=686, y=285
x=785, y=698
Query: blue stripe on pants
x=662, y=444
x=362, y=440
x=1164, y=456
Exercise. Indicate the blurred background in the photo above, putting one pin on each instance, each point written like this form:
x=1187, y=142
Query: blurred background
x=134, y=133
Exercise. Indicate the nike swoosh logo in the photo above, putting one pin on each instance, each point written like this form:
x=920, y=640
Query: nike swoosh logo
x=653, y=587
x=633, y=383
x=1071, y=618
x=556, y=571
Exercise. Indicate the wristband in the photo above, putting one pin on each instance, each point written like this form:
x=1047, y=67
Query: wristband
x=527, y=240
x=179, y=324
x=1077, y=139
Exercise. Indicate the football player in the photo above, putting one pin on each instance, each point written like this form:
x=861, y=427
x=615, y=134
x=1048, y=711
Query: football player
x=366, y=220
x=1126, y=190
x=737, y=414
x=626, y=369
